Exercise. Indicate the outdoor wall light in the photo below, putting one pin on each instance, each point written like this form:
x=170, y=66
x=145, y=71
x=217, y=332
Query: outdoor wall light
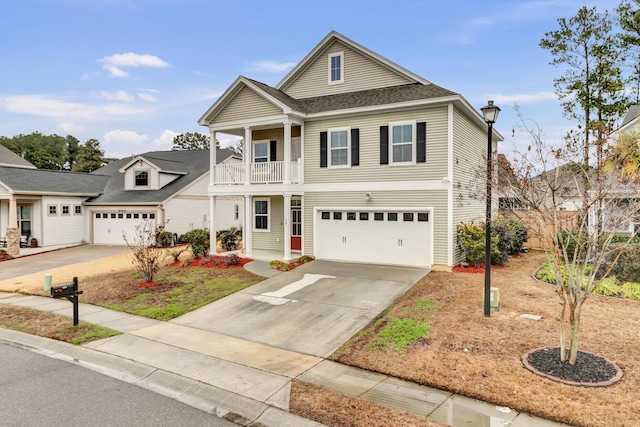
x=490, y=113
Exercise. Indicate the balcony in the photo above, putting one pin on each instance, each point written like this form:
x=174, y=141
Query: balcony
x=259, y=173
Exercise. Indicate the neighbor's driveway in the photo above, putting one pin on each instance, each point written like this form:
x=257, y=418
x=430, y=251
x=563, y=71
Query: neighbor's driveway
x=312, y=309
x=47, y=261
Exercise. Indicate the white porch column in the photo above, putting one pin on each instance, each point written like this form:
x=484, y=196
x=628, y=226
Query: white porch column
x=247, y=153
x=247, y=231
x=212, y=157
x=287, y=154
x=287, y=228
x=212, y=225
x=13, y=213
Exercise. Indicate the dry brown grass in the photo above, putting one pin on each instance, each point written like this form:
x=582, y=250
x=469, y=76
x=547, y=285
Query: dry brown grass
x=479, y=357
x=339, y=410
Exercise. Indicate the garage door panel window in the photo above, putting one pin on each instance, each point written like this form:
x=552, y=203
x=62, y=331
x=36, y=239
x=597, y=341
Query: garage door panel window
x=364, y=216
x=337, y=215
x=423, y=216
x=407, y=216
x=261, y=215
x=392, y=216
x=326, y=215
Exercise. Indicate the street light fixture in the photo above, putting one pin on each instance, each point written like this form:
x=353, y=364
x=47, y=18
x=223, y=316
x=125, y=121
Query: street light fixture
x=490, y=113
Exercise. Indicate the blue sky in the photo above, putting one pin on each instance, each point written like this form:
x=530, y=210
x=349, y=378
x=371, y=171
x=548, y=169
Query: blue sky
x=135, y=73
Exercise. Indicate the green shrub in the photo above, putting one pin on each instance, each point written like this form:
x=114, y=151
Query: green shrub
x=608, y=287
x=229, y=241
x=631, y=290
x=164, y=239
x=199, y=240
x=471, y=239
x=627, y=269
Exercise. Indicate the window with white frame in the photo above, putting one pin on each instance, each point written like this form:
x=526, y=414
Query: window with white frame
x=261, y=214
x=141, y=178
x=336, y=68
x=77, y=209
x=53, y=209
x=261, y=151
x=402, y=140
x=65, y=209
x=339, y=147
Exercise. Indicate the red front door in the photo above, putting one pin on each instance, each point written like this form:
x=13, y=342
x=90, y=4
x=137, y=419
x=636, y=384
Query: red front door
x=296, y=228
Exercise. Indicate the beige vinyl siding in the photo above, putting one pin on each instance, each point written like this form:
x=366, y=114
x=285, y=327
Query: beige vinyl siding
x=370, y=168
x=360, y=73
x=273, y=240
x=469, y=168
x=419, y=199
x=246, y=105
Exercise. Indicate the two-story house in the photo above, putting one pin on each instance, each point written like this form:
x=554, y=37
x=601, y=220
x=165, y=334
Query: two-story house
x=351, y=157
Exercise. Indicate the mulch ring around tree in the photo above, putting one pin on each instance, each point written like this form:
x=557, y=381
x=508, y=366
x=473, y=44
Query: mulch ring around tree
x=589, y=371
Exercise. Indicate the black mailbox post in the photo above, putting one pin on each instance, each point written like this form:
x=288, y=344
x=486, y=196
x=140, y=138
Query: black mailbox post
x=71, y=293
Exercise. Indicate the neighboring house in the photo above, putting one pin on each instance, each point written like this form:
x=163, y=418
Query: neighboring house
x=169, y=187
x=9, y=158
x=60, y=208
x=631, y=120
x=351, y=157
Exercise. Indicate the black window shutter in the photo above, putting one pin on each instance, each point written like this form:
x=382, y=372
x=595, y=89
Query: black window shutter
x=384, y=145
x=272, y=151
x=355, y=147
x=421, y=143
x=323, y=149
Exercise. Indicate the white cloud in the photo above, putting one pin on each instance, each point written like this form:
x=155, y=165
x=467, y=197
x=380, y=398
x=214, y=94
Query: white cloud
x=147, y=97
x=116, y=62
x=271, y=66
x=123, y=138
x=68, y=128
x=165, y=140
x=120, y=95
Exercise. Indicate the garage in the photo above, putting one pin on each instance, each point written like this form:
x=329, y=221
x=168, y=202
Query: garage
x=389, y=236
x=109, y=227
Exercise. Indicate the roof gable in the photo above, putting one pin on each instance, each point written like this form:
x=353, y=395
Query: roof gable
x=161, y=165
x=9, y=158
x=363, y=70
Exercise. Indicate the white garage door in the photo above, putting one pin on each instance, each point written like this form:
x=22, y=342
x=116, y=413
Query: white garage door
x=108, y=227
x=380, y=237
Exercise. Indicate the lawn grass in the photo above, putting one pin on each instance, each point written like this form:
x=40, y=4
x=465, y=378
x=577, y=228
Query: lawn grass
x=51, y=325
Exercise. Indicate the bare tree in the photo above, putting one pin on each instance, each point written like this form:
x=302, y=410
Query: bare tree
x=586, y=217
x=146, y=255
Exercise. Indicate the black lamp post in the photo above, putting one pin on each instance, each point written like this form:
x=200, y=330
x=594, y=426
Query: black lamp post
x=490, y=113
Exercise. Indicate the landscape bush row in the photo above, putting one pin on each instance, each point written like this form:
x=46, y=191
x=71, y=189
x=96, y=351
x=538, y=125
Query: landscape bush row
x=507, y=238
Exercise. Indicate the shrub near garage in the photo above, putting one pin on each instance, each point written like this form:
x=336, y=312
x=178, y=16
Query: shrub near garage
x=199, y=240
x=507, y=237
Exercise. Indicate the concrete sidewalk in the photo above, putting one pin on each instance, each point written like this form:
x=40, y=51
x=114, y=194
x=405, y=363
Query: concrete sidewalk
x=237, y=379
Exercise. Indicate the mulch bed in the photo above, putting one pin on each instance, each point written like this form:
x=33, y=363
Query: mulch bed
x=217, y=261
x=589, y=370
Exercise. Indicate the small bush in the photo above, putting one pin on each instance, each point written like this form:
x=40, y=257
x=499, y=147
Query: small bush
x=627, y=269
x=175, y=253
x=608, y=287
x=471, y=239
x=631, y=290
x=199, y=240
x=164, y=239
x=229, y=240
x=231, y=259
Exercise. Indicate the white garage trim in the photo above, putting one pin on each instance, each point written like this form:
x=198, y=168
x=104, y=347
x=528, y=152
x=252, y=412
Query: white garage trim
x=361, y=234
x=107, y=227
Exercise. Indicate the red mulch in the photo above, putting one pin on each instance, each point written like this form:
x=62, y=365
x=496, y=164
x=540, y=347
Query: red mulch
x=472, y=269
x=147, y=284
x=217, y=261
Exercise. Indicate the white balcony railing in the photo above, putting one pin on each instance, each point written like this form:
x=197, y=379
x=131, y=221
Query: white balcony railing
x=259, y=173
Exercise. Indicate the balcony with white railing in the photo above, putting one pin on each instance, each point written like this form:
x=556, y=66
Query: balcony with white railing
x=259, y=173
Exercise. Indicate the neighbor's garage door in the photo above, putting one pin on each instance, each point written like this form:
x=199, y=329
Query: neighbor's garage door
x=382, y=237
x=108, y=227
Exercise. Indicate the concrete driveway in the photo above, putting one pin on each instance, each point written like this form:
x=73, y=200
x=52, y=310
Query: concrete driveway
x=54, y=259
x=313, y=309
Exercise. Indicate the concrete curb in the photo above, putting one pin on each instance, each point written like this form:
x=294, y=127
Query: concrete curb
x=213, y=400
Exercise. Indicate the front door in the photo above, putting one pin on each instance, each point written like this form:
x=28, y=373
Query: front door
x=296, y=225
x=24, y=220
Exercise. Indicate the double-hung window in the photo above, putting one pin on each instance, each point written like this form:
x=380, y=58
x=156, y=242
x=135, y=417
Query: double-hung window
x=261, y=151
x=339, y=147
x=402, y=145
x=261, y=214
x=142, y=178
x=336, y=68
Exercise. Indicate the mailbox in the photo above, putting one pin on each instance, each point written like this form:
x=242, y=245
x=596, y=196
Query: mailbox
x=71, y=293
x=63, y=291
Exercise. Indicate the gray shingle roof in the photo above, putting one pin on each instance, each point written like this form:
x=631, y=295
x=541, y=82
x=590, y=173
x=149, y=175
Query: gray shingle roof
x=9, y=158
x=48, y=181
x=194, y=163
x=359, y=99
x=633, y=113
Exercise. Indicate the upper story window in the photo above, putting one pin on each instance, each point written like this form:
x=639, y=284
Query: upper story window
x=141, y=178
x=402, y=138
x=339, y=147
x=261, y=151
x=336, y=68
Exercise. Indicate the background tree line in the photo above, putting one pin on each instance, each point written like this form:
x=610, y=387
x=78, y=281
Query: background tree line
x=56, y=152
